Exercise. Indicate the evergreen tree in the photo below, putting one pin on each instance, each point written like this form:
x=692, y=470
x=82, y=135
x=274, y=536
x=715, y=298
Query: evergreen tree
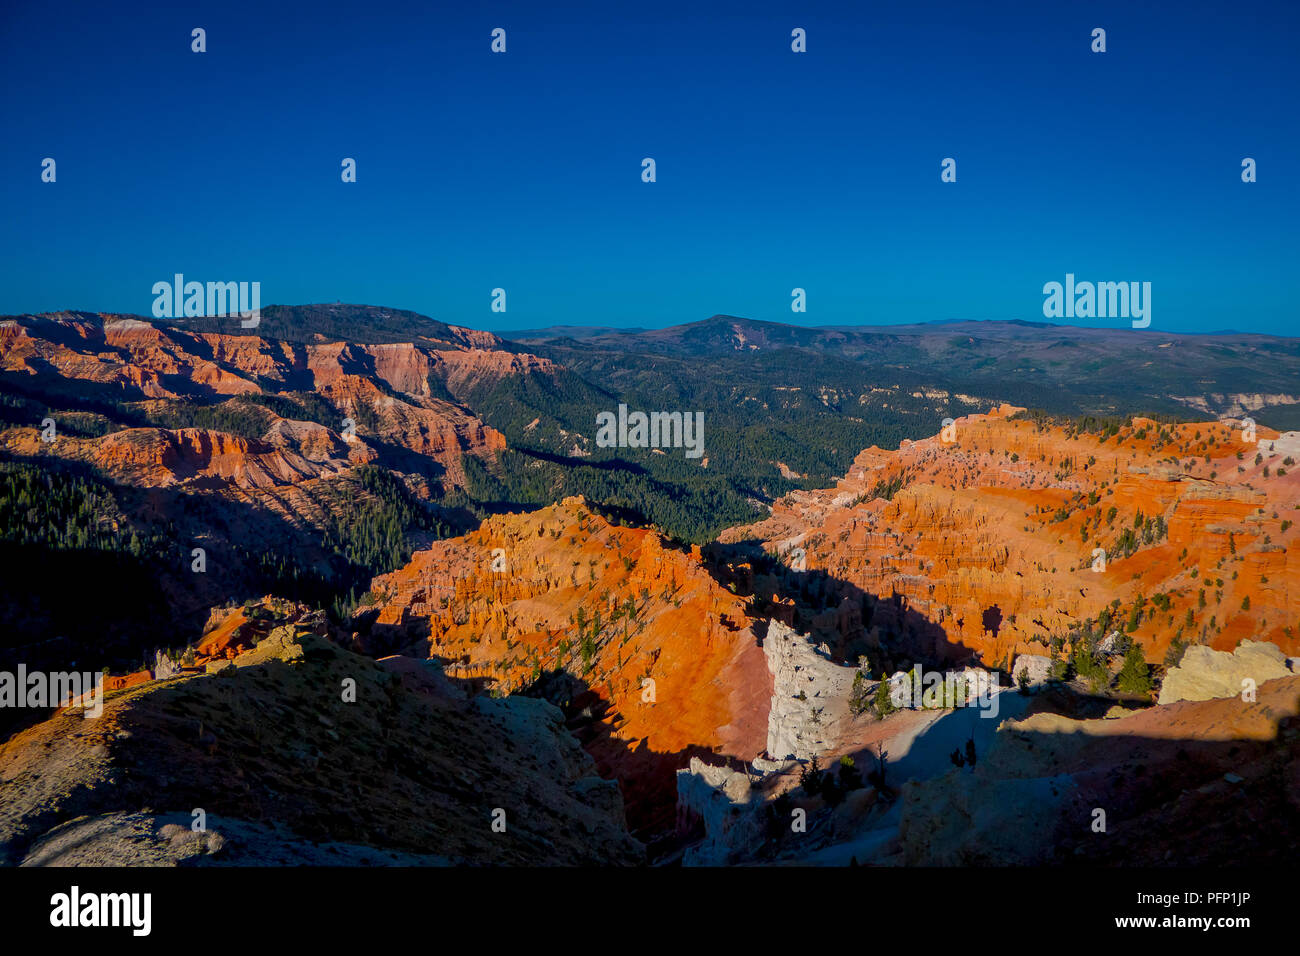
x=850, y=776
x=1135, y=676
x=884, y=702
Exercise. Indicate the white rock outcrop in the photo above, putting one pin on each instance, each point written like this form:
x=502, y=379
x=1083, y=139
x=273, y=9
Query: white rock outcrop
x=1037, y=666
x=810, y=696
x=1287, y=443
x=1204, y=674
x=726, y=802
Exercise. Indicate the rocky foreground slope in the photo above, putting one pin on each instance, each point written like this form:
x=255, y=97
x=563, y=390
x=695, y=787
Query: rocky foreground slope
x=299, y=751
x=1213, y=782
x=1206, y=783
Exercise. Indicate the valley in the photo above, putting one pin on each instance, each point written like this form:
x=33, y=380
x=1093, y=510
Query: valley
x=678, y=655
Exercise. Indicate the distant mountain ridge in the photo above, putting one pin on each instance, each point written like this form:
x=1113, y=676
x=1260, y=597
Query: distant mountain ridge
x=726, y=329
x=1067, y=369
x=308, y=324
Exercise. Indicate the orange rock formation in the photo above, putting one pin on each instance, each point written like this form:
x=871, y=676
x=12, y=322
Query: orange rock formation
x=664, y=652
x=386, y=389
x=992, y=536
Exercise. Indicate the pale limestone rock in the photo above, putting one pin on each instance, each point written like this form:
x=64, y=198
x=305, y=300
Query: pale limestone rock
x=810, y=696
x=979, y=683
x=1205, y=674
x=942, y=689
x=164, y=667
x=900, y=688
x=727, y=803
x=1037, y=665
x=1287, y=443
x=1110, y=644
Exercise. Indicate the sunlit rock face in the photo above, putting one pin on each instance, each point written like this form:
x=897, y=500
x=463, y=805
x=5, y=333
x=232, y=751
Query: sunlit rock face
x=1013, y=532
x=387, y=390
x=810, y=696
x=1204, y=673
x=660, y=660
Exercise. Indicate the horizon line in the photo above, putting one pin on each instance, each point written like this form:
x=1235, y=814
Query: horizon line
x=640, y=329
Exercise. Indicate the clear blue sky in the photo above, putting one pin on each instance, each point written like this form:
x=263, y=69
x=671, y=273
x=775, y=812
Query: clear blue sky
x=775, y=169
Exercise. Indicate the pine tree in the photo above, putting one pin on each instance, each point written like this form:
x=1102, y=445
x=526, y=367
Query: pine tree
x=859, y=700
x=884, y=702
x=1135, y=676
x=850, y=776
x=810, y=778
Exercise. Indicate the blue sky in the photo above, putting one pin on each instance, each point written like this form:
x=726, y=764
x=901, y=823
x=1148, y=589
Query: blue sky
x=775, y=170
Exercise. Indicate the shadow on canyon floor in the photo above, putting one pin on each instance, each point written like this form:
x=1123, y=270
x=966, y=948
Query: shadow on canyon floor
x=1214, y=800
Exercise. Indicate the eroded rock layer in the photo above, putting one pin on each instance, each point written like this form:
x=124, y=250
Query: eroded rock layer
x=1002, y=533
x=646, y=643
